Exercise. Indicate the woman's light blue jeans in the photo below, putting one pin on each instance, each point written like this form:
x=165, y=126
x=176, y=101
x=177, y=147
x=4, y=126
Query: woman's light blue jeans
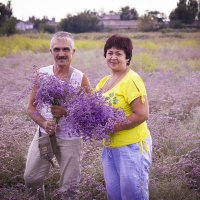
x=126, y=171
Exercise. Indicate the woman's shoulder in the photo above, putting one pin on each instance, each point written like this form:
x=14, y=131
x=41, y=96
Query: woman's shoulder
x=133, y=80
x=132, y=76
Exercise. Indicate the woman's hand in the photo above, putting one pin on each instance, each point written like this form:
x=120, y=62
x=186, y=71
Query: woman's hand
x=116, y=128
x=58, y=111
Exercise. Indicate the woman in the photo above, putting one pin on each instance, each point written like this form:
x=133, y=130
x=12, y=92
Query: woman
x=126, y=158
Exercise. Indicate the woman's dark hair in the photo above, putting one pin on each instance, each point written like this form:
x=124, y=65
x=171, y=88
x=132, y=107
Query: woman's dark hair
x=120, y=42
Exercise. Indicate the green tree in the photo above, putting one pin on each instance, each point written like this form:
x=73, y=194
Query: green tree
x=8, y=27
x=147, y=23
x=85, y=21
x=42, y=25
x=185, y=12
x=192, y=9
x=128, y=13
x=5, y=12
x=7, y=21
x=36, y=22
x=156, y=15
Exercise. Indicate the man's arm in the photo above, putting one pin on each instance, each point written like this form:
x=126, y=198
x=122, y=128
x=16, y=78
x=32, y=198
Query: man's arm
x=86, y=84
x=48, y=126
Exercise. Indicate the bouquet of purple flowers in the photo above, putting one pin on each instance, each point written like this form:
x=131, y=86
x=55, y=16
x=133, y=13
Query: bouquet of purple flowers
x=52, y=91
x=92, y=117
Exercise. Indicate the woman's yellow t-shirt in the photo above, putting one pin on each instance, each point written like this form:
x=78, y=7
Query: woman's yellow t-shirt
x=121, y=96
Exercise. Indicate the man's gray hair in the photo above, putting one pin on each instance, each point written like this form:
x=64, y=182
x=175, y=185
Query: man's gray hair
x=61, y=35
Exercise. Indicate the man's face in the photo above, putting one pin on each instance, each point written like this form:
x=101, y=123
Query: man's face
x=62, y=52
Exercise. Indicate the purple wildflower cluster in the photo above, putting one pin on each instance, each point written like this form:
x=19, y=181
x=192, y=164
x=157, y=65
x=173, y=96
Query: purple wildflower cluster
x=92, y=117
x=189, y=163
x=52, y=91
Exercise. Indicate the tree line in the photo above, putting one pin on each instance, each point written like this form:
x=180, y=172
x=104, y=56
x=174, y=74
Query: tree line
x=88, y=21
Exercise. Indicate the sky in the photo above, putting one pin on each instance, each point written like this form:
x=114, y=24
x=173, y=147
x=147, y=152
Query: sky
x=59, y=9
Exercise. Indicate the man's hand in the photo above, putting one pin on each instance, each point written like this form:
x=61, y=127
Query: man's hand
x=58, y=111
x=50, y=127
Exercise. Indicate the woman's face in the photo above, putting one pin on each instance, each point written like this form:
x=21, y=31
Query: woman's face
x=116, y=59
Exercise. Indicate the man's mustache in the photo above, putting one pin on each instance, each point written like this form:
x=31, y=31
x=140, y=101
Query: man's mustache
x=62, y=57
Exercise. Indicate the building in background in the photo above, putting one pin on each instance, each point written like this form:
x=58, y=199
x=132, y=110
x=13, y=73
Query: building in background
x=113, y=22
x=24, y=26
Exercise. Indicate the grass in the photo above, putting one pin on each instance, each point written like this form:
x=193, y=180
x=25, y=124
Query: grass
x=169, y=66
x=18, y=43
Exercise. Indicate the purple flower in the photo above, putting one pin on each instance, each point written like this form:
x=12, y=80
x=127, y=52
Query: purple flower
x=92, y=117
x=53, y=91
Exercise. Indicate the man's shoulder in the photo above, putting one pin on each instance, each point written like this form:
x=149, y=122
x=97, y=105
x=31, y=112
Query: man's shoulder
x=76, y=77
x=77, y=71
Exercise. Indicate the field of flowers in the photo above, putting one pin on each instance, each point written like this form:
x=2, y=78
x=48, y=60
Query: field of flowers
x=169, y=64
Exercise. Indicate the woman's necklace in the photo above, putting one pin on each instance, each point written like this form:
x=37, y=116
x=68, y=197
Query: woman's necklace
x=113, y=80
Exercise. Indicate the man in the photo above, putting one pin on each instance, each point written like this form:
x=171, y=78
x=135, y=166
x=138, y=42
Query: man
x=68, y=148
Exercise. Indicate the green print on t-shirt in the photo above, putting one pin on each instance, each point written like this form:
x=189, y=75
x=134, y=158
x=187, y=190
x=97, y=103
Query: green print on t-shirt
x=111, y=98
